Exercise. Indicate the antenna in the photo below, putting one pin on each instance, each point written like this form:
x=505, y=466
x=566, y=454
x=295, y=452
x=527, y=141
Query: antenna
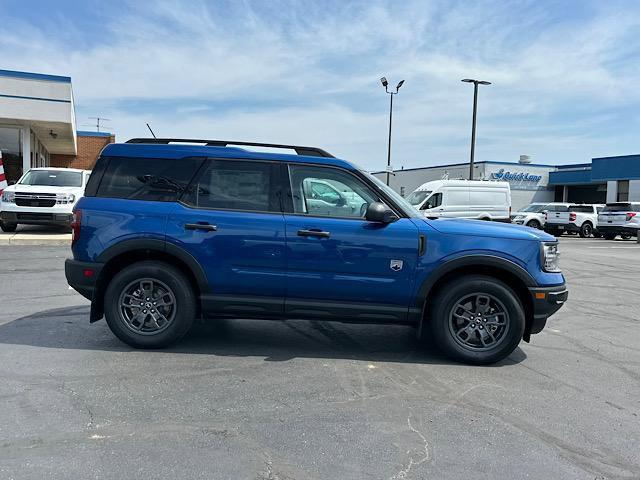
x=154, y=135
x=98, y=120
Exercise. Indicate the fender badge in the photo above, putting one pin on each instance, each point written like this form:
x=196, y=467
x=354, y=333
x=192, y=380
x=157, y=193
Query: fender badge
x=396, y=265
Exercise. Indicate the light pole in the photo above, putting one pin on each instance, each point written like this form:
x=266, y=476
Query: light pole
x=473, y=124
x=385, y=84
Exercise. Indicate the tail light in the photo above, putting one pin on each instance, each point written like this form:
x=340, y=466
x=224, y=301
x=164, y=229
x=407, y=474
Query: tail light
x=76, y=222
x=630, y=215
x=572, y=217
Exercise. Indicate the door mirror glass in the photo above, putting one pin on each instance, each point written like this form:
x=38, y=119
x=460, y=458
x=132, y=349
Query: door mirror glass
x=378, y=212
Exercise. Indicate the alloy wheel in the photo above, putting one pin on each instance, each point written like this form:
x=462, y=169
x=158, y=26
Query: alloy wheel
x=147, y=306
x=479, y=321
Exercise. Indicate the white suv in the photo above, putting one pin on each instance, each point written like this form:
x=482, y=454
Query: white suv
x=42, y=196
x=533, y=215
x=621, y=218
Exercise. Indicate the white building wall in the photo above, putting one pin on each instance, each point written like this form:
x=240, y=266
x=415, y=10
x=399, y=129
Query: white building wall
x=612, y=191
x=522, y=192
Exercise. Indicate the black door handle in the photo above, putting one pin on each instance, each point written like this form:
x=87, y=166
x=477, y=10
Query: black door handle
x=313, y=233
x=200, y=226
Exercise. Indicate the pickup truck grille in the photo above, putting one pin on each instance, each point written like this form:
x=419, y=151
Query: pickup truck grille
x=35, y=199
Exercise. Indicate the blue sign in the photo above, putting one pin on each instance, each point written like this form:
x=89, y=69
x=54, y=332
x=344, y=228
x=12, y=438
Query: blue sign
x=515, y=177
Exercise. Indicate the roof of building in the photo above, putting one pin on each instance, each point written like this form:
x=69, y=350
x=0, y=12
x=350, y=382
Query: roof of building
x=87, y=133
x=148, y=150
x=34, y=76
x=466, y=164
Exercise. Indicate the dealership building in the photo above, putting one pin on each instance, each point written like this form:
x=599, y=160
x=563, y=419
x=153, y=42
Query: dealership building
x=38, y=125
x=607, y=179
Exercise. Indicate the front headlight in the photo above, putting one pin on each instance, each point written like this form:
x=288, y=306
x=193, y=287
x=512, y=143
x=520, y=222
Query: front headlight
x=550, y=257
x=518, y=217
x=8, y=197
x=64, y=199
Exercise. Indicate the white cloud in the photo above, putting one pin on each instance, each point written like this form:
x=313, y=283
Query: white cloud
x=307, y=72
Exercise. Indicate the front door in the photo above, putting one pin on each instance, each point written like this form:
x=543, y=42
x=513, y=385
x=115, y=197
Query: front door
x=230, y=220
x=339, y=265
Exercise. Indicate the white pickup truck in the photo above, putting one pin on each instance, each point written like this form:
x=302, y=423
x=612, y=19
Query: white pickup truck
x=581, y=219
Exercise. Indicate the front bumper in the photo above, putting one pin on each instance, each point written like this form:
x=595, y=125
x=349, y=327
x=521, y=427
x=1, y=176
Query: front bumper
x=37, y=218
x=82, y=276
x=546, y=301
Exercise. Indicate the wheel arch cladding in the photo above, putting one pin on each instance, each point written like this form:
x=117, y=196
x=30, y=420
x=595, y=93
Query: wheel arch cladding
x=512, y=275
x=130, y=252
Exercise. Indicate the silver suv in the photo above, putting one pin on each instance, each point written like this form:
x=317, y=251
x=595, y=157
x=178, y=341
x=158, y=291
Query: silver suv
x=620, y=218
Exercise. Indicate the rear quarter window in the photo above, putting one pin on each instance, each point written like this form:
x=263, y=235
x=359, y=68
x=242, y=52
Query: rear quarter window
x=155, y=179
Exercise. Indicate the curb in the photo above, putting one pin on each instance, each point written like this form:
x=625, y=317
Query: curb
x=26, y=239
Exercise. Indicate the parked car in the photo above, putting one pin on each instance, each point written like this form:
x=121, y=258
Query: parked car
x=578, y=218
x=533, y=214
x=481, y=200
x=620, y=218
x=42, y=196
x=168, y=232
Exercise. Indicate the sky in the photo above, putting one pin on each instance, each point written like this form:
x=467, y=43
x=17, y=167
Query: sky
x=564, y=73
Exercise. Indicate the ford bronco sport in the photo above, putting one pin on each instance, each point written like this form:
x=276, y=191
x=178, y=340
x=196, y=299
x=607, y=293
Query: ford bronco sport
x=168, y=232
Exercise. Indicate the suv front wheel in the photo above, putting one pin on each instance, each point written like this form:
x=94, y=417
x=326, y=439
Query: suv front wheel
x=149, y=304
x=477, y=319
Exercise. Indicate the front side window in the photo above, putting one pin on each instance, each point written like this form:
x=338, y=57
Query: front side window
x=235, y=185
x=52, y=178
x=154, y=179
x=328, y=192
x=434, y=201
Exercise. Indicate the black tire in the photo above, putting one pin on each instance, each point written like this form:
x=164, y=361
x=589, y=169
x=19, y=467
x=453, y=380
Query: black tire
x=442, y=323
x=8, y=227
x=533, y=224
x=609, y=236
x=165, y=278
x=586, y=230
x=626, y=236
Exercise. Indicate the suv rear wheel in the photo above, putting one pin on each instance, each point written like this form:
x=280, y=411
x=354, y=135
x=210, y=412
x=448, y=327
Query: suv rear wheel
x=586, y=230
x=477, y=319
x=149, y=304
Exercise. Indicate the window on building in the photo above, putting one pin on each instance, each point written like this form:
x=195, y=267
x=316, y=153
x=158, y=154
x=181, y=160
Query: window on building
x=623, y=191
x=11, y=146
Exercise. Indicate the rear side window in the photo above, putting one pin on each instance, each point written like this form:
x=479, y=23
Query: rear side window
x=156, y=179
x=557, y=208
x=236, y=185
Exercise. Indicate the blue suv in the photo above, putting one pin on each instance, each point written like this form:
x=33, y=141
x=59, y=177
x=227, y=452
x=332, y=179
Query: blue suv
x=170, y=230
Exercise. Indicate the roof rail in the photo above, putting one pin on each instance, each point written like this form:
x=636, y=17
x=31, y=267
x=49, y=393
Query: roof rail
x=308, y=151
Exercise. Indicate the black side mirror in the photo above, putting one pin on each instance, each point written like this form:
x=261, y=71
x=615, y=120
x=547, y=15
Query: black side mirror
x=378, y=212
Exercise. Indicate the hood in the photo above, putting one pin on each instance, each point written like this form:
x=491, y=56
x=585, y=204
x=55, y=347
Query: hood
x=42, y=189
x=459, y=226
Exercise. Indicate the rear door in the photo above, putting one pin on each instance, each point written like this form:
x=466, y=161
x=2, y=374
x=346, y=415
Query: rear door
x=231, y=221
x=557, y=214
x=614, y=215
x=339, y=265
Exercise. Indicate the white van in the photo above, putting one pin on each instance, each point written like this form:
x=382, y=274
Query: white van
x=482, y=200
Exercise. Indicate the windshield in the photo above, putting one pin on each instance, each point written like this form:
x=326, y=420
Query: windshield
x=52, y=178
x=393, y=194
x=534, y=208
x=417, y=197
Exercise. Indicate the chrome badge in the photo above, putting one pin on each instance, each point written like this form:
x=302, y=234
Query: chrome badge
x=396, y=265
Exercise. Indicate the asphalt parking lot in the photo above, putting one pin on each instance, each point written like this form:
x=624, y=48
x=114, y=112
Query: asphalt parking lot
x=308, y=400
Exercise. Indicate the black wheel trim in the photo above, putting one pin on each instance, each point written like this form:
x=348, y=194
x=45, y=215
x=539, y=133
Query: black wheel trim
x=479, y=322
x=587, y=229
x=147, y=306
